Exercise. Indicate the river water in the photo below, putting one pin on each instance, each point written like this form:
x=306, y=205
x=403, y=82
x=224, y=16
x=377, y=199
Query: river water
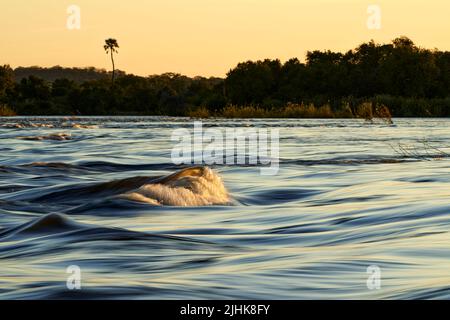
x=350, y=197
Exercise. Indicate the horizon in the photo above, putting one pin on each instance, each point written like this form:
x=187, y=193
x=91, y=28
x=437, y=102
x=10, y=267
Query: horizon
x=200, y=75
x=207, y=39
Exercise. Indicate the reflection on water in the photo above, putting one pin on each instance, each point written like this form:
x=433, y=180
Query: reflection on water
x=344, y=199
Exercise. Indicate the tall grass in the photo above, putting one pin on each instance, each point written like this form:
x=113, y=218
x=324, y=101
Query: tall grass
x=289, y=111
x=201, y=112
x=369, y=111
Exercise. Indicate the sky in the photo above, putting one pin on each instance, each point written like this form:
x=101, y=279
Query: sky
x=207, y=37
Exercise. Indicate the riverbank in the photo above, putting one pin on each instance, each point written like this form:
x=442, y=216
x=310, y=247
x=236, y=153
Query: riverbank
x=365, y=110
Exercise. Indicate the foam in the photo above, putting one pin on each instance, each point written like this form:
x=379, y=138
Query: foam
x=198, y=186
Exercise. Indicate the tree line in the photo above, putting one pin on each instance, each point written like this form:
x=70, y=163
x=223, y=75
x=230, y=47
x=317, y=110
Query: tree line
x=408, y=79
x=77, y=75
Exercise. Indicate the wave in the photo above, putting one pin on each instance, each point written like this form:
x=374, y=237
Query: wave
x=198, y=186
x=66, y=229
x=194, y=186
x=277, y=196
x=77, y=193
x=53, y=136
x=57, y=165
x=79, y=126
x=101, y=166
x=346, y=161
x=66, y=124
x=50, y=223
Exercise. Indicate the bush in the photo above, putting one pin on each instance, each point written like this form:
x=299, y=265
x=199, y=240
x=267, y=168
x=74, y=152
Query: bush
x=232, y=111
x=345, y=111
x=201, y=112
x=365, y=111
x=6, y=111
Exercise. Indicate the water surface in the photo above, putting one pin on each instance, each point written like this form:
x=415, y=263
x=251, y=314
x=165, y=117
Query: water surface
x=348, y=195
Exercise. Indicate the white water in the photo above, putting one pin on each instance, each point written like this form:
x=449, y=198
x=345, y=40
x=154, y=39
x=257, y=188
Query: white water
x=189, y=187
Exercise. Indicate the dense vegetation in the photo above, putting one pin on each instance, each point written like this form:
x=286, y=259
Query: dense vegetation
x=409, y=80
x=77, y=75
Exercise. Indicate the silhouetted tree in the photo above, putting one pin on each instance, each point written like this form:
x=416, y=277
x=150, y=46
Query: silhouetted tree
x=77, y=75
x=111, y=47
x=253, y=82
x=6, y=81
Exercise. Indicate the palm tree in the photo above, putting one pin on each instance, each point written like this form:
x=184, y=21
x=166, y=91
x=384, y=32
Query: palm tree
x=111, y=47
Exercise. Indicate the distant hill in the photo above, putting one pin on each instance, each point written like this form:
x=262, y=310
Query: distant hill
x=57, y=72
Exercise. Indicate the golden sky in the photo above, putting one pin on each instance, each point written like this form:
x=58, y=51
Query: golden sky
x=206, y=37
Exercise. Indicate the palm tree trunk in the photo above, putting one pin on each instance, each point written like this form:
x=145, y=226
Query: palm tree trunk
x=113, y=67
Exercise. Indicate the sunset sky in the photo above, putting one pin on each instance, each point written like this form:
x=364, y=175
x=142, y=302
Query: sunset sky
x=206, y=37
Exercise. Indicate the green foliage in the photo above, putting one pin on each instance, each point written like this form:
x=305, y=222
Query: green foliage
x=372, y=80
